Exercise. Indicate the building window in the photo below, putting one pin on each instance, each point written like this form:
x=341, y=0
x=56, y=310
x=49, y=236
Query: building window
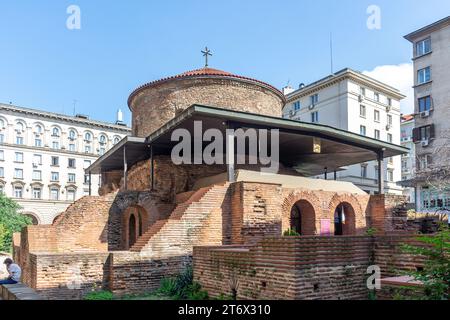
x=389, y=138
x=2, y=189
x=424, y=162
x=55, y=132
x=54, y=194
x=19, y=140
x=101, y=151
x=376, y=116
x=2, y=138
x=87, y=164
x=87, y=149
x=18, y=174
x=72, y=135
x=376, y=97
x=2, y=172
x=423, y=47
x=315, y=117
x=362, y=91
x=389, y=120
x=55, y=145
x=103, y=140
x=425, y=104
x=297, y=105
x=37, y=159
x=38, y=129
x=424, y=75
x=55, y=176
x=377, y=134
x=86, y=179
x=2, y=155
x=72, y=163
x=364, y=171
x=314, y=99
x=37, y=193
x=425, y=133
x=37, y=175
x=88, y=137
x=38, y=143
x=71, y=195
x=390, y=175
x=362, y=111
x=391, y=160
x=20, y=127
x=116, y=140
x=389, y=102
x=18, y=157
x=55, y=161
x=18, y=192
x=72, y=178
x=72, y=147
x=362, y=130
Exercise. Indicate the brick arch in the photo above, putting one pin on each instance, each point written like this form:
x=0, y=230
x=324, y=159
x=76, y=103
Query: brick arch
x=354, y=210
x=308, y=199
x=141, y=223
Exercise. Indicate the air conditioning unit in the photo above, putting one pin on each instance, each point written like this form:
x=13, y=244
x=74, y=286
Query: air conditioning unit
x=361, y=98
x=425, y=143
x=425, y=114
x=311, y=106
x=292, y=113
x=35, y=165
x=388, y=108
x=388, y=127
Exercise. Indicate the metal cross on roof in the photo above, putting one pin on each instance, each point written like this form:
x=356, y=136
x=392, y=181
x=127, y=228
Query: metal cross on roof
x=206, y=53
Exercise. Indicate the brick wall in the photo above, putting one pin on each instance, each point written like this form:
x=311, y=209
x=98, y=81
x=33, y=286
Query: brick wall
x=160, y=102
x=299, y=267
x=69, y=276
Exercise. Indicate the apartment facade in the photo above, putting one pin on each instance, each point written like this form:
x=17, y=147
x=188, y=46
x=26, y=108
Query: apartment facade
x=43, y=156
x=431, y=57
x=408, y=160
x=354, y=102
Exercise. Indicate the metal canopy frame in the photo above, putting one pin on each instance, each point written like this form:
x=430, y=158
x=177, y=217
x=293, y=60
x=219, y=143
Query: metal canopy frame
x=340, y=148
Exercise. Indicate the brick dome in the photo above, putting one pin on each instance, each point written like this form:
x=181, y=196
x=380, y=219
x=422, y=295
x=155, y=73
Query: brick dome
x=155, y=103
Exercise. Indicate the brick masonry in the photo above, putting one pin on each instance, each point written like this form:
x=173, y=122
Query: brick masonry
x=299, y=268
x=162, y=102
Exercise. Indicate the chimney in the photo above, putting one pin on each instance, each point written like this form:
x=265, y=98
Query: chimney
x=119, y=119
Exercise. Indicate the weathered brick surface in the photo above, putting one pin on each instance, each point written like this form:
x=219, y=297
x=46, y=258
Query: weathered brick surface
x=297, y=268
x=160, y=103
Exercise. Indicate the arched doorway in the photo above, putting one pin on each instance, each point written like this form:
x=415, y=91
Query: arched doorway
x=131, y=231
x=34, y=219
x=303, y=218
x=344, y=220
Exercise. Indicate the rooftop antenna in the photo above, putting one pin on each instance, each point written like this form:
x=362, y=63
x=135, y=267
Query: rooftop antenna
x=331, y=52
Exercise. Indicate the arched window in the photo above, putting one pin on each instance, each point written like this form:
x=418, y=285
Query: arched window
x=88, y=137
x=72, y=135
x=116, y=140
x=55, y=132
x=38, y=129
x=102, y=139
x=2, y=124
x=20, y=127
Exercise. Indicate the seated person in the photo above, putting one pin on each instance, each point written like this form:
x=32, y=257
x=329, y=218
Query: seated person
x=14, y=272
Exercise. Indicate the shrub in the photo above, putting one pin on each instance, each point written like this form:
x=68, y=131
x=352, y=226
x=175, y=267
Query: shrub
x=291, y=233
x=99, y=295
x=182, y=287
x=11, y=220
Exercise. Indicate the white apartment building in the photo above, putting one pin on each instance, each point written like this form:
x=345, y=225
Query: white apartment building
x=431, y=57
x=43, y=156
x=408, y=160
x=354, y=102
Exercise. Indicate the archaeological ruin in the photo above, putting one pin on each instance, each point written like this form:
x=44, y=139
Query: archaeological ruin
x=154, y=217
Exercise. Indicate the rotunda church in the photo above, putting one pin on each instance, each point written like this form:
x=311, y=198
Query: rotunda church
x=155, y=103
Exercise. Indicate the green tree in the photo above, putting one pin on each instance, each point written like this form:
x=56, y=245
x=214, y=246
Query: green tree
x=11, y=221
x=436, y=272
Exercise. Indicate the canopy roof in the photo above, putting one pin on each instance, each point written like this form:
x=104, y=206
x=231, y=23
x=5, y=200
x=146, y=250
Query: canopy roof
x=339, y=148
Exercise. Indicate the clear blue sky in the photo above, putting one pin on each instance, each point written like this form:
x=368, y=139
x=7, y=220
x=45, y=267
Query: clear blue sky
x=123, y=44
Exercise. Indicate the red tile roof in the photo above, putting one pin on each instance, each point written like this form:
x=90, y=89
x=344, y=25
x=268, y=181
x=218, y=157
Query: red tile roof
x=407, y=117
x=209, y=72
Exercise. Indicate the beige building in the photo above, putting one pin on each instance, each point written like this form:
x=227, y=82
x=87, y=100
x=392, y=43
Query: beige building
x=431, y=56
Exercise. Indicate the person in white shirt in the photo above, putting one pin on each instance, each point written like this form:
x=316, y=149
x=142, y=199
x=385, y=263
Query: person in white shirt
x=14, y=272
